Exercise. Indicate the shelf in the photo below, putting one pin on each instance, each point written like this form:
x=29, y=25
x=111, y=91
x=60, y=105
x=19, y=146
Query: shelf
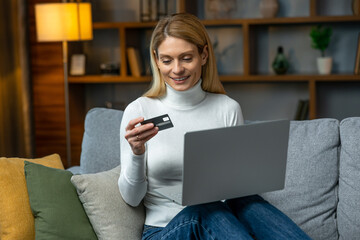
x=106, y=25
x=248, y=21
x=291, y=78
x=108, y=79
x=296, y=20
x=225, y=78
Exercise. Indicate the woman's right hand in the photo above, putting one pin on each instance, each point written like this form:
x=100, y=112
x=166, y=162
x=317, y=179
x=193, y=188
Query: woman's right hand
x=137, y=136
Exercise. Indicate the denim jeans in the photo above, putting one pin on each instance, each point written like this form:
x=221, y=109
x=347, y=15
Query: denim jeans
x=242, y=218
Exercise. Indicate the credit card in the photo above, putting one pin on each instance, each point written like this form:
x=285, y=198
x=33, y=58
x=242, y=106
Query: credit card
x=162, y=122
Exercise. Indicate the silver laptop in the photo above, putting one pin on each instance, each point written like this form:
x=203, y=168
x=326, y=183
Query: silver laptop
x=232, y=162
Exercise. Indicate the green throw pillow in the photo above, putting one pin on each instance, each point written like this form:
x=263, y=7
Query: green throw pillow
x=55, y=205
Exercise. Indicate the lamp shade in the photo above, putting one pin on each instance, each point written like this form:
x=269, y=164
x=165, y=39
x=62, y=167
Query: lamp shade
x=63, y=22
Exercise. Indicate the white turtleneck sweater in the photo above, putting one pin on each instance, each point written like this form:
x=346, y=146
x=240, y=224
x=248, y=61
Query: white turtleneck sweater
x=161, y=164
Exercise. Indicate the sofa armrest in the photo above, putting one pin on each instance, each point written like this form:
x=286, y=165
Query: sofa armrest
x=100, y=150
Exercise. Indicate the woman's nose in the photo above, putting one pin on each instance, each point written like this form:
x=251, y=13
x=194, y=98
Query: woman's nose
x=178, y=68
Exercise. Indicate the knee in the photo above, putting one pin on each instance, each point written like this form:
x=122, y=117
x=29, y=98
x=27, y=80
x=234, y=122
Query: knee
x=201, y=208
x=243, y=201
x=206, y=210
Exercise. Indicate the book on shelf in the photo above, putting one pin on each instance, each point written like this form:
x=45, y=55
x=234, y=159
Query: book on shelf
x=134, y=61
x=302, y=110
x=357, y=58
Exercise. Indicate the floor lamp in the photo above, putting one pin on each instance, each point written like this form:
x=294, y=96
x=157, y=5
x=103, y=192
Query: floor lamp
x=63, y=22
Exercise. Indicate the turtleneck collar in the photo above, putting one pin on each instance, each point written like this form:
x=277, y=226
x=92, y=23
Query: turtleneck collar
x=184, y=99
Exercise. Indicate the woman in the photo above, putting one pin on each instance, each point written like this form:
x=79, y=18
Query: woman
x=186, y=86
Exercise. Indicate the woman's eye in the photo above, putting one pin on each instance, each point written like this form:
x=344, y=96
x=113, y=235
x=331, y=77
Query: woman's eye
x=165, y=61
x=187, y=59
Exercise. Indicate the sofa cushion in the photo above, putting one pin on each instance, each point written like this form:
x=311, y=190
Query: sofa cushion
x=16, y=219
x=349, y=180
x=110, y=216
x=98, y=156
x=58, y=211
x=310, y=194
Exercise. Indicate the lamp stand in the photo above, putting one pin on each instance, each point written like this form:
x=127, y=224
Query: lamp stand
x=67, y=112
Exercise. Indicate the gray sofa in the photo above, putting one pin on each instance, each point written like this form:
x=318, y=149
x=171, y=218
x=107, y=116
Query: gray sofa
x=322, y=189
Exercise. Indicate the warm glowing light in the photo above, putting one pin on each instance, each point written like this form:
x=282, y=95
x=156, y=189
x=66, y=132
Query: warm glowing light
x=63, y=22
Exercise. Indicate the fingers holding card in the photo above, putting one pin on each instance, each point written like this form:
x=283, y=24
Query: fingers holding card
x=137, y=136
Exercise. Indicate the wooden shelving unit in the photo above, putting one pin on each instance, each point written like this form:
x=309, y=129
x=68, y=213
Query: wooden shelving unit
x=246, y=26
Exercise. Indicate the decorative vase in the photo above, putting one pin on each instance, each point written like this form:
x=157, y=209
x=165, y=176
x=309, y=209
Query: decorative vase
x=280, y=64
x=269, y=8
x=356, y=7
x=324, y=65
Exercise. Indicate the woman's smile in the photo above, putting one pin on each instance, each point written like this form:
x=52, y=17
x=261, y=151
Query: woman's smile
x=179, y=79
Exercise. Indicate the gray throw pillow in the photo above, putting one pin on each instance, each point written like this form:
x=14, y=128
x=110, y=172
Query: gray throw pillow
x=310, y=194
x=109, y=215
x=349, y=181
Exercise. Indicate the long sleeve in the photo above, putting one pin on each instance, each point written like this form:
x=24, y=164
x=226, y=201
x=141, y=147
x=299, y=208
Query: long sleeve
x=132, y=181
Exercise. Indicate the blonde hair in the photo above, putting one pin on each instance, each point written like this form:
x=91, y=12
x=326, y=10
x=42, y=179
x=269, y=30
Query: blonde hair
x=187, y=27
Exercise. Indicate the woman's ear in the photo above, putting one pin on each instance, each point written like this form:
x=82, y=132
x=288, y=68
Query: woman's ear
x=204, y=55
